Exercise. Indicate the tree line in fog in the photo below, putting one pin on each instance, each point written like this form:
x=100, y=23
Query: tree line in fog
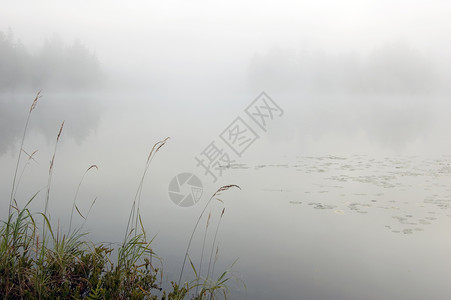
x=394, y=68
x=54, y=65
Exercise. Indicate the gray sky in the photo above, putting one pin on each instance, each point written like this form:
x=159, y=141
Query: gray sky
x=172, y=36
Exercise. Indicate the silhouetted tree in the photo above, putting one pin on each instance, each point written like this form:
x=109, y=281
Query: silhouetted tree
x=55, y=65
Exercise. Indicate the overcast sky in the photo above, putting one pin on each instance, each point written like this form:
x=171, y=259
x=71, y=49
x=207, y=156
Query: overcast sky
x=173, y=36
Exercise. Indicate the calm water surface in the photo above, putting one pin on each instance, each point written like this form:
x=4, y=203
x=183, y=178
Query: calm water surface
x=354, y=226
x=351, y=227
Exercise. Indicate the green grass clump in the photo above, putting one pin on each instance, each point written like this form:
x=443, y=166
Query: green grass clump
x=39, y=262
x=67, y=266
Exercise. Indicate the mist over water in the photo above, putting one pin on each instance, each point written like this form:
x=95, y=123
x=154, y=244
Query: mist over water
x=346, y=195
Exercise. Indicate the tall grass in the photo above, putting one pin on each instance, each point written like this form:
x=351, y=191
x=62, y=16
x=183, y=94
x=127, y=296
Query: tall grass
x=215, y=195
x=13, y=187
x=74, y=205
x=210, y=287
x=57, y=265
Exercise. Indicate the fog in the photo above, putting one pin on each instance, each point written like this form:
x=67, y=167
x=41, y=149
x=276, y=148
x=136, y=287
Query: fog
x=210, y=55
x=352, y=77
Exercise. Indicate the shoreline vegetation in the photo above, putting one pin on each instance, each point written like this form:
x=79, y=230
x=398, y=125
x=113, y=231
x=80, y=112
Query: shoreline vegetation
x=39, y=261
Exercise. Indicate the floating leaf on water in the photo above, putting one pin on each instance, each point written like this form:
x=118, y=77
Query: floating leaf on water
x=424, y=222
x=295, y=202
x=321, y=206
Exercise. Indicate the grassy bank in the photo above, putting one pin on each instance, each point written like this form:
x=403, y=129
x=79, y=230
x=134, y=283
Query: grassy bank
x=39, y=261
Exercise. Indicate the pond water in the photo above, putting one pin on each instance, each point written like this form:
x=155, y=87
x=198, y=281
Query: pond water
x=310, y=222
x=347, y=227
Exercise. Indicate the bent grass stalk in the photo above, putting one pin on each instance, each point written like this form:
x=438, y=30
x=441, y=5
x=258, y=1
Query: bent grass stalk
x=133, y=218
x=49, y=181
x=217, y=193
x=32, y=107
x=74, y=205
x=89, y=211
x=214, y=262
x=136, y=245
x=30, y=158
x=202, y=252
x=214, y=242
